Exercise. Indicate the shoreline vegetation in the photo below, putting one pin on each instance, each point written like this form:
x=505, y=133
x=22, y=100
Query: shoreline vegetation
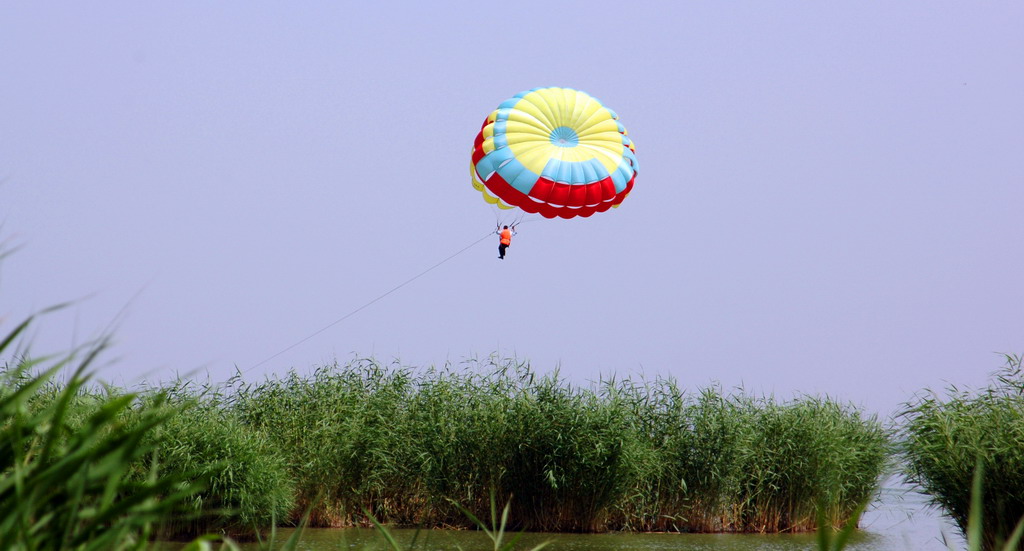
x=363, y=444
x=85, y=465
x=411, y=447
x=407, y=445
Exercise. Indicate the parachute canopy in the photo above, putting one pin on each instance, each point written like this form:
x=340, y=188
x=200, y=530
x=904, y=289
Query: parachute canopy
x=553, y=151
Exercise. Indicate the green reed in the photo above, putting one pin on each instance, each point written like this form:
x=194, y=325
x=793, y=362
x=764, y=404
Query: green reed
x=973, y=530
x=352, y=443
x=568, y=461
x=945, y=438
x=248, y=487
x=806, y=457
x=87, y=466
x=731, y=462
x=344, y=438
x=403, y=445
x=69, y=454
x=461, y=421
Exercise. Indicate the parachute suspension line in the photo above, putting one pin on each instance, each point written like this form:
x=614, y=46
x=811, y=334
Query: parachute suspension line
x=498, y=218
x=368, y=304
x=512, y=220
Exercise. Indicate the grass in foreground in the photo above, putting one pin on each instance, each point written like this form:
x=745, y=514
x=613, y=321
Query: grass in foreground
x=68, y=459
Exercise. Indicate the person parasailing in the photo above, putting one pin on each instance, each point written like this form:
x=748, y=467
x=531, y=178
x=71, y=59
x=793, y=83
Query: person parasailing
x=504, y=239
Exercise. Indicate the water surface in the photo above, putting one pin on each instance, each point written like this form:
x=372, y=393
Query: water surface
x=900, y=521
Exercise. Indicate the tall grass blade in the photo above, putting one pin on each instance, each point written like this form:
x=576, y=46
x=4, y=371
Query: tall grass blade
x=388, y=537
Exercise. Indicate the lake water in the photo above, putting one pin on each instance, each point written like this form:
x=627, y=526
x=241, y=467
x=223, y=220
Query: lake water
x=901, y=521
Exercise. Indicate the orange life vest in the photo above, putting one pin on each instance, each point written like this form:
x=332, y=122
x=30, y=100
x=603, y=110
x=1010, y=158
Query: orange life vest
x=506, y=237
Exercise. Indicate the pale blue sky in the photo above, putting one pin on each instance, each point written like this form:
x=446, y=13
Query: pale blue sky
x=829, y=198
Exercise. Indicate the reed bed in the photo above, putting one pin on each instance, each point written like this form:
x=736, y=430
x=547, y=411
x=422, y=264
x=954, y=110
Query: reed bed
x=946, y=438
x=405, y=446
x=344, y=439
x=350, y=443
x=730, y=462
x=246, y=485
